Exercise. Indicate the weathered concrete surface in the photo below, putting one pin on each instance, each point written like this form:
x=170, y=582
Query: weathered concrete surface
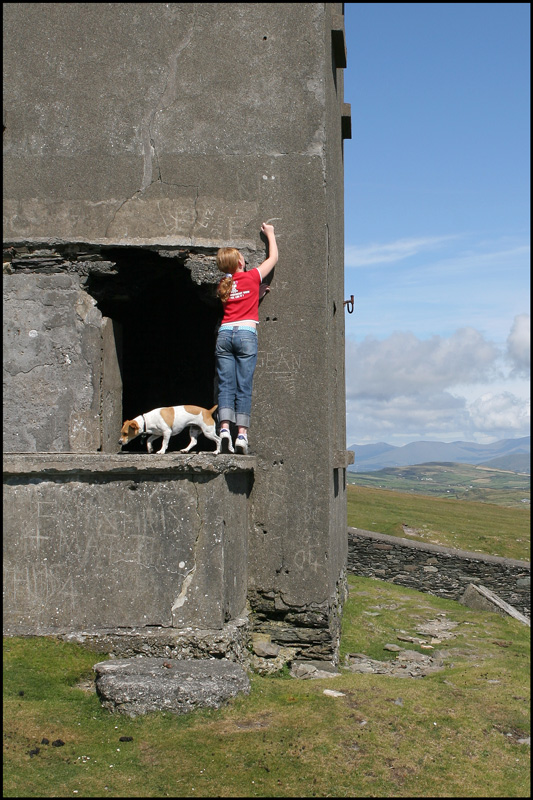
x=482, y=599
x=53, y=339
x=136, y=686
x=129, y=541
x=221, y=117
x=160, y=141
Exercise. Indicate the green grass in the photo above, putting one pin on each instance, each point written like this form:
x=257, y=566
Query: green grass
x=451, y=481
x=453, y=734
x=477, y=527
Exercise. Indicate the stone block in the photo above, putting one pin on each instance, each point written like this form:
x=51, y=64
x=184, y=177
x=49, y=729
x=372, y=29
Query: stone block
x=482, y=599
x=138, y=686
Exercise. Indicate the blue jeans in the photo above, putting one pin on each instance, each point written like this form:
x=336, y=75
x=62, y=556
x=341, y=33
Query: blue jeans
x=236, y=356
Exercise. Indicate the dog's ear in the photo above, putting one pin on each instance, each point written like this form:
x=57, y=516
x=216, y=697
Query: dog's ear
x=130, y=426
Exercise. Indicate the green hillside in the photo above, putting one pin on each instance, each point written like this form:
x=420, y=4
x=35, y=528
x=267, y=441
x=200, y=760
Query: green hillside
x=475, y=526
x=517, y=462
x=451, y=480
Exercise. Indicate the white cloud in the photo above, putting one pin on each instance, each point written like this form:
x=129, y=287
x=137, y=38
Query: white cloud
x=442, y=284
x=402, y=419
x=518, y=346
x=402, y=364
x=501, y=414
x=402, y=388
x=362, y=256
x=437, y=417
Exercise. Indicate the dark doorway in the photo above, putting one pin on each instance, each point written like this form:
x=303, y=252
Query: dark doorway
x=168, y=329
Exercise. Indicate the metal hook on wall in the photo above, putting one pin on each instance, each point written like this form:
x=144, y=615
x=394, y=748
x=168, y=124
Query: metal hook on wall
x=349, y=303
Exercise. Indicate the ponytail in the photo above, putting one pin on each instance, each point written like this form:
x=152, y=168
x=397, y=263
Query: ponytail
x=227, y=262
x=224, y=287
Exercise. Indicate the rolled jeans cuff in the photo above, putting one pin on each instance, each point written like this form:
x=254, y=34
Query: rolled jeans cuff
x=242, y=419
x=227, y=414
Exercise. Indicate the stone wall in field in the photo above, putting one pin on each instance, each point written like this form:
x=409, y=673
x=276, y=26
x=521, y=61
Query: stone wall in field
x=437, y=570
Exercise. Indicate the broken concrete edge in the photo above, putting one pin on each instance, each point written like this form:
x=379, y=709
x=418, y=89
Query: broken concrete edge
x=255, y=652
x=97, y=259
x=308, y=632
x=230, y=642
x=480, y=598
x=157, y=242
x=264, y=651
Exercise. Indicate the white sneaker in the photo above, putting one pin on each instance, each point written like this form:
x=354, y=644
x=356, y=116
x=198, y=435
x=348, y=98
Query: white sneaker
x=241, y=444
x=226, y=445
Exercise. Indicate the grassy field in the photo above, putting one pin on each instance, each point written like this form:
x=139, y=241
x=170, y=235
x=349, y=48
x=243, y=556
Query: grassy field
x=475, y=526
x=451, y=481
x=460, y=732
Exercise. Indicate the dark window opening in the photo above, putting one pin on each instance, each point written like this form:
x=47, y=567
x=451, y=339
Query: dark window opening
x=336, y=482
x=168, y=326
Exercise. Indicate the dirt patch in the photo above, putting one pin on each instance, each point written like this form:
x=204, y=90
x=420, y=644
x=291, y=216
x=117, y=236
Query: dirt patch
x=87, y=685
x=229, y=726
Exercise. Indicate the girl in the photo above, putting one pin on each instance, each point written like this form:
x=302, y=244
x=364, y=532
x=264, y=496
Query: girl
x=236, y=348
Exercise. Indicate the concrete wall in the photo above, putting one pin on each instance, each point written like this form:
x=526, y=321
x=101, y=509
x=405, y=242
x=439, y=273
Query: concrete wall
x=442, y=571
x=125, y=542
x=176, y=128
x=55, y=375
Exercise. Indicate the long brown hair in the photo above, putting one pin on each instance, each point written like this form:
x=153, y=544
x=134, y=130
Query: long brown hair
x=227, y=262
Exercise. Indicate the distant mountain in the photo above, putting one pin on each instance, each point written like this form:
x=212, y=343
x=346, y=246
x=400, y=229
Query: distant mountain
x=371, y=457
x=516, y=462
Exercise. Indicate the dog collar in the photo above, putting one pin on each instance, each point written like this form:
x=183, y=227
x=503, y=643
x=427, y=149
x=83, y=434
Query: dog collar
x=144, y=423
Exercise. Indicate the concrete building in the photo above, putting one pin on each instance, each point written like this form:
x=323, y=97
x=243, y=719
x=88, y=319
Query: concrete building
x=138, y=139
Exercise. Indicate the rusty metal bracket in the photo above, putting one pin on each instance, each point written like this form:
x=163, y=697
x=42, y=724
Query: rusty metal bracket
x=349, y=303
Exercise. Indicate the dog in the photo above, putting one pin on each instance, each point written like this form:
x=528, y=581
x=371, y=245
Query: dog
x=169, y=421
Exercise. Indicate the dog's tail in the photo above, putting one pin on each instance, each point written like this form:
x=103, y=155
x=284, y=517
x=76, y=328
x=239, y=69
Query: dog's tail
x=212, y=410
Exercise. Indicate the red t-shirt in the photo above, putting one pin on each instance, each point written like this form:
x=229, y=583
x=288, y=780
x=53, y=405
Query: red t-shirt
x=243, y=302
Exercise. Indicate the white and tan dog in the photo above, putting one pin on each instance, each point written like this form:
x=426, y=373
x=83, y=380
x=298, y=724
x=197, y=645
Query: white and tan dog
x=169, y=421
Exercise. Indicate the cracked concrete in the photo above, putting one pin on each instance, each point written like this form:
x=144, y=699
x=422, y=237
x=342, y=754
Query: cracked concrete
x=167, y=98
x=177, y=613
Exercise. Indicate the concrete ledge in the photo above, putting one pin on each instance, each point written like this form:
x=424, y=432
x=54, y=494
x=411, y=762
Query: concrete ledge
x=49, y=464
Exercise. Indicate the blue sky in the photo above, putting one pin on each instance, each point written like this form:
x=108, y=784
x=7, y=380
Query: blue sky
x=437, y=208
